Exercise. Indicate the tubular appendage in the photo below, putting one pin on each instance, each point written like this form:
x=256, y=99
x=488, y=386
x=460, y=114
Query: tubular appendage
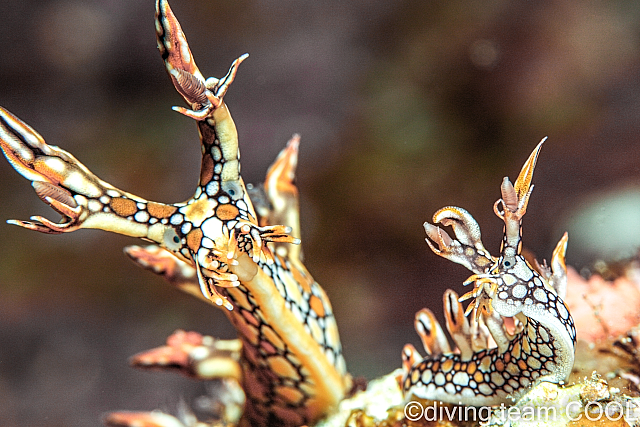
x=72, y=190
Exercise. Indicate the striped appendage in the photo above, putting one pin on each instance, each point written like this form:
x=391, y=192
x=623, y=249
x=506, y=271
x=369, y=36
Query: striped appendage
x=213, y=245
x=493, y=362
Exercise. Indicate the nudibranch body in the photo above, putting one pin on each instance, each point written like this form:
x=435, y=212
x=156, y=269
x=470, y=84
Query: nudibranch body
x=542, y=345
x=293, y=371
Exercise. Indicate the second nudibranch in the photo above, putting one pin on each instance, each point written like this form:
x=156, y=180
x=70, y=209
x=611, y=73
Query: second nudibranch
x=542, y=345
x=293, y=371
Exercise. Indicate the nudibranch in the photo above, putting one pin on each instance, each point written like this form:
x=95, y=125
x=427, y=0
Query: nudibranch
x=214, y=244
x=237, y=248
x=493, y=362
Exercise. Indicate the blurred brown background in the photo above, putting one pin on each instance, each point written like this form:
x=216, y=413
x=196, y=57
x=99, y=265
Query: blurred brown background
x=403, y=106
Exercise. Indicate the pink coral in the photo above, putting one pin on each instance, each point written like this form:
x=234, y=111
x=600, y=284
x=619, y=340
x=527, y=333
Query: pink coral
x=603, y=308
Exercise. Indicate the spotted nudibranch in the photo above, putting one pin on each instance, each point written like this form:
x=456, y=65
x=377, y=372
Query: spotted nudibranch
x=493, y=362
x=293, y=370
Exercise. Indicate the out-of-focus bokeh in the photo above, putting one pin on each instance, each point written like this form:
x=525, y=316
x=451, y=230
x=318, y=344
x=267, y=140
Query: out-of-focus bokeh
x=403, y=106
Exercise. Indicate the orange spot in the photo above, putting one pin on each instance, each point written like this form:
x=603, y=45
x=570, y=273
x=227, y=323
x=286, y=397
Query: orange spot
x=447, y=365
x=206, y=171
x=227, y=212
x=456, y=367
x=516, y=351
x=194, y=238
x=499, y=365
x=200, y=210
x=289, y=394
x=268, y=347
x=159, y=210
x=471, y=368
x=299, y=277
x=485, y=364
x=250, y=334
x=239, y=298
x=316, y=305
x=478, y=377
x=249, y=317
x=507, y=357
x=522, y=364
x=123, y=207
x=272, y=337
